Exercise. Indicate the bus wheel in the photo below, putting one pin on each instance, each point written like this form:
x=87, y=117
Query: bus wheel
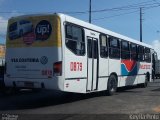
x=112, y=85
x=147, y=79
x=145, y=84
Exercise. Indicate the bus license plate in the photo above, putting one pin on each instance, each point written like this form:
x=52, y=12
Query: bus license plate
x=29, y=84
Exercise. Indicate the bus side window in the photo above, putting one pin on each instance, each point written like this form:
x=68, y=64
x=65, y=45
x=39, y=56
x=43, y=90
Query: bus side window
x=147, y=55
x=114, y=48
x=103, y=46
x=125, y=52
x=133, y=49
x=140, y=53
x=75, y=39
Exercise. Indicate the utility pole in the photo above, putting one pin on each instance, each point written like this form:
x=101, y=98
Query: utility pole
x=90, y=11
x=140, y=24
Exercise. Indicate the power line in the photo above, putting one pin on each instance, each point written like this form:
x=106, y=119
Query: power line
x=115, y=15
x=128, y=7
x=146, y=8
x=156, y=2
x=144, y=5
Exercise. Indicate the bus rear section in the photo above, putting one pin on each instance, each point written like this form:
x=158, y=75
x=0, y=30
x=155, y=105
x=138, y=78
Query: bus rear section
x=157, y=68
x=34, y=52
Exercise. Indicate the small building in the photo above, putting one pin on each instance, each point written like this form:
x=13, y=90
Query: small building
x=2, y=54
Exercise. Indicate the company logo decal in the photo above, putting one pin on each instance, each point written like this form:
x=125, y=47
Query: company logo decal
x=44, y=60
x=128, y=67
x=43, y=30
x=143, y=66
x=24, y=60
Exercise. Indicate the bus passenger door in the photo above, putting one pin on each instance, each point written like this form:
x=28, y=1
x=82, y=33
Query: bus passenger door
x=92, y=68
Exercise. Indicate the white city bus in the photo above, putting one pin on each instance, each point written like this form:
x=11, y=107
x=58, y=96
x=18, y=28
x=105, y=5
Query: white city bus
x=63, y=53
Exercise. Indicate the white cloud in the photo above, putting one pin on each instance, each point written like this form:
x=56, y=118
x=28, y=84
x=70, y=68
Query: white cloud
x=4, y=21
x=15, y=13
x=3, y=26
x=156, y=47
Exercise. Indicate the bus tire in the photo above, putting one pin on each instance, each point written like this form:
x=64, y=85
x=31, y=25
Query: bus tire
x=112, y=85
x=145, y=84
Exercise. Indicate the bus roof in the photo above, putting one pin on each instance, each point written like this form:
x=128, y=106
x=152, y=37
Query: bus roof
x=89, y=26
x=102, y=30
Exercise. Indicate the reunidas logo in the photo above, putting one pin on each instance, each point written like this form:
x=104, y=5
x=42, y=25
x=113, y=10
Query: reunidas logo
x=43, y=30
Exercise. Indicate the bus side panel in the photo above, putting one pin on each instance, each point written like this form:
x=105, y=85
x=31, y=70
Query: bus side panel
x=75, y=72
x=114, y=67
x=75, y=85
x=128, y=72
x=143, y=68
x=103, y=74
x=128, y=80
